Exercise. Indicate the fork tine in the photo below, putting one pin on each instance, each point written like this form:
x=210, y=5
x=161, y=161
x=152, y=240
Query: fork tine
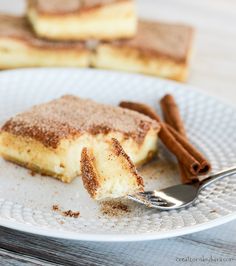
x=155, y=198
x=145, y=199
x=146, y=193
x=159, y=203
x=149, y=195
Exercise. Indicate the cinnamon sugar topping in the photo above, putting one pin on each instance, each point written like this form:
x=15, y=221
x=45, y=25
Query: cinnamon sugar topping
x=162, y=39
x=62, y=7
x=71, y=116
x=114, y=208
x=14, y=27
x=69, y=213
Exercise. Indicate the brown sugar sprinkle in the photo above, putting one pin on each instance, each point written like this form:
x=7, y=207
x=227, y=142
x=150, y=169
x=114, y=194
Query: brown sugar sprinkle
x=114, y=208
x=69, y=213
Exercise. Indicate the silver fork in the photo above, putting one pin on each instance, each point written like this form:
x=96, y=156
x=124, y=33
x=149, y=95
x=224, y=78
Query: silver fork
x=178, y=196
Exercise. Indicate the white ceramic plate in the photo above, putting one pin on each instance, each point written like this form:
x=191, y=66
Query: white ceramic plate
x=26, y=201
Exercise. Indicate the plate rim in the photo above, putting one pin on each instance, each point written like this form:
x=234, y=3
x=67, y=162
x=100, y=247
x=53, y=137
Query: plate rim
x=61, y=234
x=117, y=237
x=108, y=71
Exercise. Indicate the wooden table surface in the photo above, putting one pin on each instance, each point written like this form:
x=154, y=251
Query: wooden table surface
x=213, y=70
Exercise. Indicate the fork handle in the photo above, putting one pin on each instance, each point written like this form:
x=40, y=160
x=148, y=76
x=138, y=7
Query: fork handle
x=215, y=177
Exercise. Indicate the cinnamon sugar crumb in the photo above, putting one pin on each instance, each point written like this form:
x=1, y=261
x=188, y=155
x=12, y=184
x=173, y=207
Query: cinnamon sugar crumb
x=55, y=207
x=32, y=173
x=213, y=211
x=68, y=213
x=114, y=208
x=71, y=213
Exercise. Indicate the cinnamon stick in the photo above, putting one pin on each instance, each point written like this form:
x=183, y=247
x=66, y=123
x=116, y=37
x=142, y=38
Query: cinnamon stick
x=186, y=176
x=205, y=166
x=171, y=114
x=141, y=108
x=181, y=153
x=166, y=136
x=172, y=117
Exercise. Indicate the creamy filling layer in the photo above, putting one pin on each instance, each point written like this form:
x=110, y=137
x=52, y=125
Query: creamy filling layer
x=14, y=53
x=131, y=60
x=64, y=161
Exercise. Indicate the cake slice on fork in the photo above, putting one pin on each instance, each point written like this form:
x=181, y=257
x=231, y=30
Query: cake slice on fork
x=108, y=172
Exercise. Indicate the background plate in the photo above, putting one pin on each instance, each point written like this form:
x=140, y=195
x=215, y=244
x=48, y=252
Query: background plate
x=26, y=201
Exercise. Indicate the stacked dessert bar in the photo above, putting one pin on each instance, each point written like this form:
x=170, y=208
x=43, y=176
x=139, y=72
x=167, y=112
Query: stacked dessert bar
x=57, y=32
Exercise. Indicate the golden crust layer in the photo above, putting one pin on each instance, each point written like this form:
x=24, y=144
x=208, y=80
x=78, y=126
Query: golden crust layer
x=36, y=169
x=70, y=116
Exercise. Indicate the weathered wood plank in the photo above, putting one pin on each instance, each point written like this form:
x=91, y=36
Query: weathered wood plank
x=56, y=251
x=9, y=258
x=219, y=242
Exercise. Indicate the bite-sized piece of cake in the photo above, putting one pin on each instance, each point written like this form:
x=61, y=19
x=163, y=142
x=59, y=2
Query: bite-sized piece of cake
x=159, y=49
x=19, y=47
x=83, y=19
x=49, y=138
x=108, y=172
